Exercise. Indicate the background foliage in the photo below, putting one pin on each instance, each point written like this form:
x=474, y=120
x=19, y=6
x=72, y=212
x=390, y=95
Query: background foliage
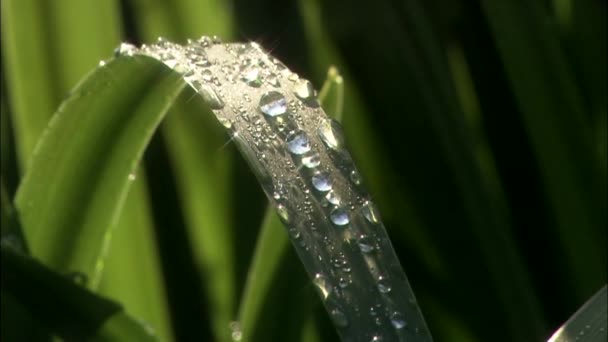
x=479, y=127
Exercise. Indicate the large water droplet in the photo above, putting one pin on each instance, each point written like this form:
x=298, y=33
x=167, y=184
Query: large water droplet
x=311, y=161
x=236, y=332
x=339, y=217
x=305, y=91
x=298, y=142
x=321, y=181
x=273, y=103
x=397, y=320
x=331, y=133
x=366, y=244
x=339, y=318
x=332, y=197
x=370, y=212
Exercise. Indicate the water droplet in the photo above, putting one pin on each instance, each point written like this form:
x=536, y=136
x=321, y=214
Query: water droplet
x=339, y=217
x=343, y=282
x=311, y=161
x=132, y=176
x=225, y=122
x=273, y=103
x=283, y=213
x=125, y=49
x=322, y=285
x=383, y=285
x=376, y=338
x=305, y=91
x=321, y=181
x=339, y=318
x=370, y=212
x=298, y=142
x=236, y=332
x=251, y=76
x=332, y=197
x=331, y=133
x=366, y=244
x=273, y=80
x=207, y=75
x=102, y=63
x=211, y=98
x=355, y=177
x=79, y=278
x=397, y=320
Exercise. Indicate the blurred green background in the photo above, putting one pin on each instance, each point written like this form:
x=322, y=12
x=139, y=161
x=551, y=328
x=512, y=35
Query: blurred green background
x=479, y=128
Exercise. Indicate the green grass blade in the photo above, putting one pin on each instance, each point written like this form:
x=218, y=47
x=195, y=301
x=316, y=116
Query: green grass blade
x=201, y=163
x=132, y=271
x=560, y=131
x=588, y=324
x=67, y=309
x=272, y=243
x=71, y=197
x=23, y=42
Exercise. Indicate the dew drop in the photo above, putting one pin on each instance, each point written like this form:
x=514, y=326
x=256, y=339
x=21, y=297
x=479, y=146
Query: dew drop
x=125, y=49
x=397, y=320
x=331, y=133
x=355, y=177
x=321, y=181
x=332, y=197
x=339, y=318
x=383, y=285
x=370, y=212
x=273, y=103
x=207, y=75
x=366, y=244
x=376, y=338
x=283, y=213
x=298, y=142
x=323, y=285
x=311, y=161
x=339, y=217
x=236, y=332
x=79, y=278
x=251, y=77
x=273, y=80
x=305, y=91
x=211, y=98
x=225, y=122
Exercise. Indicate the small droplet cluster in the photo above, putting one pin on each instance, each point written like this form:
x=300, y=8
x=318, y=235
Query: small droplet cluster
x=299, y=155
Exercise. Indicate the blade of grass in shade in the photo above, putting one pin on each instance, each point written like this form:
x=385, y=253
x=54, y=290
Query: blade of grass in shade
x=429, y=145
x=71, y=197
x=560, y=132
x=272, y=241
x=131, y=268
x=11, y=233
x=69, y=310
x=588, y=324
x=201, y=164
x=369, y=155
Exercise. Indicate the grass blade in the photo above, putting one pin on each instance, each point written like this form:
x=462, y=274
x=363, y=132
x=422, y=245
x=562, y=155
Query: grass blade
x=560, y=132
x=588, y=324
x=109, y=119
x=68, y=310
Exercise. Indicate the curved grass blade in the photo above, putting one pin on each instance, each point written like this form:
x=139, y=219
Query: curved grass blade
x=271, y=246
x=201, y=164
x=69, y=310
x=588, y=324
x=299, y=157
x=560, y=131
x=79, y=177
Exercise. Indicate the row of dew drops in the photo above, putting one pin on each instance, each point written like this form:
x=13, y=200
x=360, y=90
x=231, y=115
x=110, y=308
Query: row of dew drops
x=193, y=63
